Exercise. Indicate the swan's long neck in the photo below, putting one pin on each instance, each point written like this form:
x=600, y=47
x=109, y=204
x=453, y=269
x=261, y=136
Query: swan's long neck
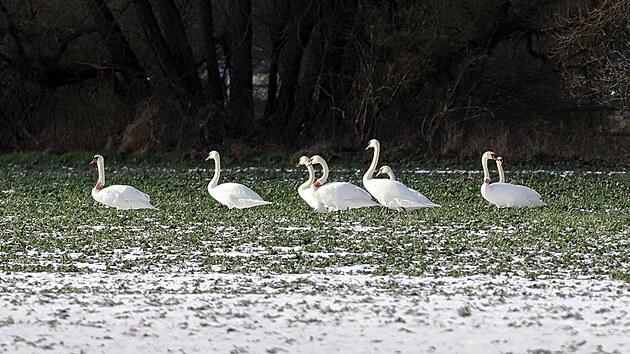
x=217, y=173
x=311, y=178
x=501, y=174
x=325, y=172
x=486, y=173
x=391, y=175
x=101, y=174
x=368, y=175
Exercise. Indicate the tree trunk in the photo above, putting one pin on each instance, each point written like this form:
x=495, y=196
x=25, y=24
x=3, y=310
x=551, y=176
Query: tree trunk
x=12, y=30
x=214, y=87
x=177, y=40
x=156, y=40
x=122, y=56
x=305, y=106
x=277, y=30
x=240, y=68
x=304, y=21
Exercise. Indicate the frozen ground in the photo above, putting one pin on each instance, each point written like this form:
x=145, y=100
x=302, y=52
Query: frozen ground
x=349, y=313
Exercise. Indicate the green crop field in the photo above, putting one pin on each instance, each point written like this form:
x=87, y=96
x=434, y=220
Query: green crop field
x=51, y=223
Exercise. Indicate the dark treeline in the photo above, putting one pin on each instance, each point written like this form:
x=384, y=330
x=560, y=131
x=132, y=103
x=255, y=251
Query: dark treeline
x=523, y=77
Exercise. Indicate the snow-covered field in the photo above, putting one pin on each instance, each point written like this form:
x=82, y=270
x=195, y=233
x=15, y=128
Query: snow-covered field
x=195, y=277
x=212, y=312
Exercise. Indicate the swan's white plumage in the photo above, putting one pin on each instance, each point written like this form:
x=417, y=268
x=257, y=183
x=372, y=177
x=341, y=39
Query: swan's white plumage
x=235, y=195
x=390, y=193
x=506, y=195
x=417, y=196
x=343, y=196
x=232, y=195
x=121, y=197
x=338, y=195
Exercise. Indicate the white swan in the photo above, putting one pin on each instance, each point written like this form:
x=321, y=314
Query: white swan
x=117, y=196
x=390, y=193
x=304, y=190
x=386, y=170
x=338, y=195
x=505, y=195
x=420, y=197
x=233, y=195
x=499, y=162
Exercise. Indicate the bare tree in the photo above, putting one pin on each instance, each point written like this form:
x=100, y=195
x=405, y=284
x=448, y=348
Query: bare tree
x=177, y=39
x=214, y=86
x=340, y=71
x=156, y=40
x=241, y=101
x=593, y=51
x=122, y=56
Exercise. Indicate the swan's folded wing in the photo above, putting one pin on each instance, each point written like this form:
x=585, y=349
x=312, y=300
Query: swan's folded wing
x=236, y=195
x=513, y=196
x=407, y=204
x=422, y=199
x=127, y=197
x=248, y=203
x=343, y=196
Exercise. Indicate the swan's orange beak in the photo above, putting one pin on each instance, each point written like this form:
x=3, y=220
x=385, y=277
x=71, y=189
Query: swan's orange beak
x=378, y=173
x=93, y=161
x=494, y=157
x=367, y=147
x=297, y=164
x=309, y=163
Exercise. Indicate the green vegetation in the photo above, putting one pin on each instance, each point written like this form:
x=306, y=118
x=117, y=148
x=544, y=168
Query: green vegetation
x=49, y=222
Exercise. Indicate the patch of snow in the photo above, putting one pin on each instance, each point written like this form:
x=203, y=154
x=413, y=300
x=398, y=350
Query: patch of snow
x=215, y=312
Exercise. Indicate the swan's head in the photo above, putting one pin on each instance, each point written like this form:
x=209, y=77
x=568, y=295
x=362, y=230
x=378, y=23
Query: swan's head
x=489, y=155
x=384, y=170
x=302, y=161
x=373, y=144
x=212, y=155
x=499, y=160
x=97, y=159
x=316, y=159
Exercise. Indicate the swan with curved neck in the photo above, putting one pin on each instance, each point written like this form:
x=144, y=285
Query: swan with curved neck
x=488, y=155
x=338, y=195
x=304, y=190
x=387, y=171
x=122, y=197
x=389, y=192
x=325, y=170
x=500, y=168
x=232, y=195
x=506, y=195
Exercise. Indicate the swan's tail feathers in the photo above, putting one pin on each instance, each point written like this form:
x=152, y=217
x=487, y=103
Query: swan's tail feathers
x=537, y=202
x=353, y=204
x=429, y=204
x=410, y=205
x=248, y=203
x=145, y=205
x=368, y=203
